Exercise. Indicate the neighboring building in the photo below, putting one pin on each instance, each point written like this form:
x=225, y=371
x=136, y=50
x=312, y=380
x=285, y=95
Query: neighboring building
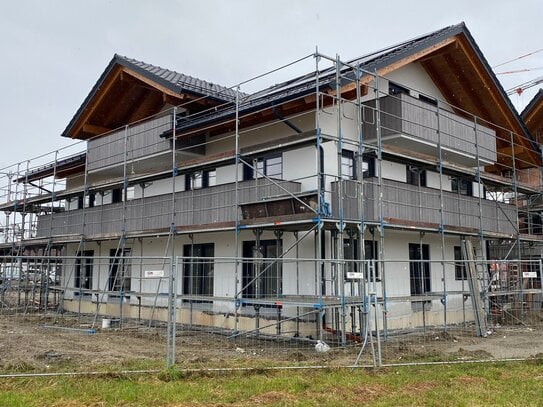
x=275, y=198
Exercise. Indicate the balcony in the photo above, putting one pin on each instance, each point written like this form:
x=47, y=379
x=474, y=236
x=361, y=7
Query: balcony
x=202, y=207
x=405, y=204
x=416, y=125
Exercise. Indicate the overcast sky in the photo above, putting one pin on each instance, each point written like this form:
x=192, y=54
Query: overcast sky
x=53, y=52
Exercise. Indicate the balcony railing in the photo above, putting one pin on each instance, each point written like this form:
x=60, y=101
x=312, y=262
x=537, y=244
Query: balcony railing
x=207, y=206
x=408, y=204
x=137, y=141
x=414, y=124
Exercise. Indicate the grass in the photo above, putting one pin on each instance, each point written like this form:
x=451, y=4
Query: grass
x=443, y=385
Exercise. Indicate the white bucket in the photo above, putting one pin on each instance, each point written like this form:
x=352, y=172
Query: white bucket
x=106, y=323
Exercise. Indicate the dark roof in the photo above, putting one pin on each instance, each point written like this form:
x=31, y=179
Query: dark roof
x=305, y=84
x=66, y=164
x=177, y=82
x=533, y=103
x=172, y=80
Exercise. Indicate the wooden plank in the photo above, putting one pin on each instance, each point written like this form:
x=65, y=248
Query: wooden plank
x=95, y=101
x=94, y=129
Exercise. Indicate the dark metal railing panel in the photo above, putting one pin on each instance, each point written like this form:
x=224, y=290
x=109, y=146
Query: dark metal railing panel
x=199, y=207
x=410, y=203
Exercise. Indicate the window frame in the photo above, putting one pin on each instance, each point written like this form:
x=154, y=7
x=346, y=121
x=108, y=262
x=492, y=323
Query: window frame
x=262, y=165
x=201, y=272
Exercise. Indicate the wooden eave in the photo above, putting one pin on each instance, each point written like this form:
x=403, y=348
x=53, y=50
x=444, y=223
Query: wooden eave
x=464, y=80
x=533, y=117
x=457, y=69
x=122, y=97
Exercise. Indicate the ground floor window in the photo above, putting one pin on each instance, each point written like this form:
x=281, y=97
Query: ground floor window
x=198, y=269
x=419, y=268
x=351, y=251
x=83, y=270
x=459, y=264
x=120, y=274
x=262, y=276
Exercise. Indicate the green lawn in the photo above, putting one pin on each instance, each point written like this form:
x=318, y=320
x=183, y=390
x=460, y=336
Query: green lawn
x=440, y=385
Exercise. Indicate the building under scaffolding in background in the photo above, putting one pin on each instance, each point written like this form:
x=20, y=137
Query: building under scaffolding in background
x=390, y=192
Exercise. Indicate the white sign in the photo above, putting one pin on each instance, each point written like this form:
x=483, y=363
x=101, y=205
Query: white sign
x=355, y=276
x=529, y=274
x=154, y=273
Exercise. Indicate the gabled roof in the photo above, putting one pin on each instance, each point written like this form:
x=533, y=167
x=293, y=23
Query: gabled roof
x=177, y=82
x=95, y=115
x=451, y=58
x=533, y=116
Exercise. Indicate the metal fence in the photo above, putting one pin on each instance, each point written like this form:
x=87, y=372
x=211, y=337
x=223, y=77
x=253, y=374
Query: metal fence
x=246, y=312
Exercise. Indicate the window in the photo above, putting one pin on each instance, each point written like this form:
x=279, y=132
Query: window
x=459, y=265
x=368, y=166
x=428, y=99
x=537, y=224
x=198, y=269
x=271, y=167
x=350, y=252
x=116, y=195
x=419, y=268
x=462, y=186
x=262, y=278
x=83, y=271
x=200, y=179
x=119, y=270
x=395, y=89
x=416, y=176
x=348, y=167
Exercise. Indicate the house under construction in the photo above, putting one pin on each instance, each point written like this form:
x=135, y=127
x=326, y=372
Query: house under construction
x=400, y=189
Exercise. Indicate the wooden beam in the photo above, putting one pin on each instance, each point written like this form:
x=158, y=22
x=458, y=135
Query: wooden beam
x=95, y=101
x=509, y=150
x=94, y=129
x=485, y=79
x=151, y=83
x=396, y=65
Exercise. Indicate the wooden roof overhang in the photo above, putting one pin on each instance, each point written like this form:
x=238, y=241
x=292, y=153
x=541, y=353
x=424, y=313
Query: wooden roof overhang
x=464, y=78
x=533, y=116
x=456, y=66
x=121, y=96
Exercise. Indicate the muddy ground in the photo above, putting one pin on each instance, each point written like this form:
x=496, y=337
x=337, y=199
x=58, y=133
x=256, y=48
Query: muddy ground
x=36, y=343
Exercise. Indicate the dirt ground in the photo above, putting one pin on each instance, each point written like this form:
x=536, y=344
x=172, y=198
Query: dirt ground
x=35, y=343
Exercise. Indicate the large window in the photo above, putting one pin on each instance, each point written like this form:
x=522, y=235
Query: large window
x=120, y=270
x=351, y=252
x=416, y=176
x=261, y=277
x=198, y=269
x=419, y=268
x=200, y=179
x=83, y=270
x=459, y=265
x=349, y=168
x=270, y=166
x=462, y=186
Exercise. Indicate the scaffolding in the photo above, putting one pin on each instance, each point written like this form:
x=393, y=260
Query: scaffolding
x=344, y=210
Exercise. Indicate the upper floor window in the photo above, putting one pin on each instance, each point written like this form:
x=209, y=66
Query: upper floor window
x=395, y=89
x=459, y=265
x=270, y=166
x=415, y=176
x=462, y=186
x=348, y=166
x=428, y=99
x=200, y=179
